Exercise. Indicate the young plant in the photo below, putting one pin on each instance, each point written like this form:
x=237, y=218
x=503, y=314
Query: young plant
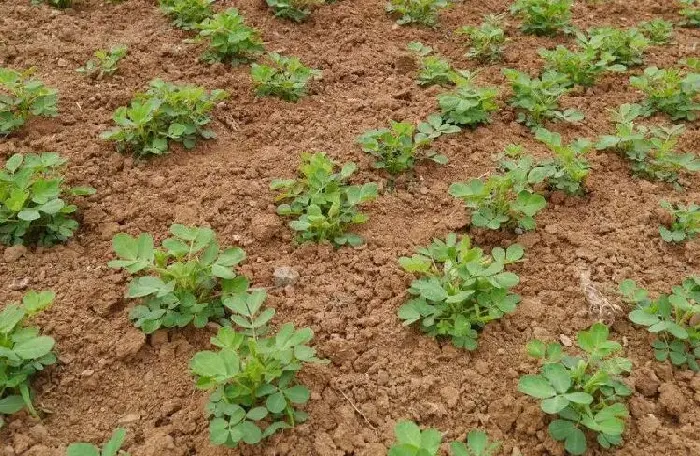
x=626, y=46
x=321, y=201
x=690, y=13
x=187, y=14
x=460, y=289
x=674, y=318
x=230, y=40
x=423, y=12
x=21, y=97
x=584, y=392
x=252, y=379
x=503, y=200
x=23, y=352
x=185, y=281
x=32, y=208
x=582, y=67
x=671, y=91
x=487, y=40
x=55, y=3
x=111, y=448
x=105, y=62
x=166, y=112
x=685, y=224
x=286, y=78
x=468, y=105
x=396, y=149
x=650, y=149
x=657, y=31
x=543, y=17
x=568, y=169
x=294, y=10
x=434, y=70
x=691, y=62
x=538, y=98
x=411, y=441
x=434, y=127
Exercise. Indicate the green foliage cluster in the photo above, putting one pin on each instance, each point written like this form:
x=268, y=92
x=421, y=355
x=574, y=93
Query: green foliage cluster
x=321, y=201
x=543, y=17
x=229, y=39
x=657, y=31
x=21, y=97
x=62, y=4
x=674, y=318
x=691, y=13
x=487, y=40
x=294, y=10
x=584, y=392
x=166, y=112
x=105, y=62
x=434, y=70
x=685, y=224
x=23, y=352
x=252, y=378
x=581, y=67
x=188, y=280
x=111, y=448
x=568, y=169
x=468, y=105
x=285, y=78
x=32, y=208
x=460, y=289
x=671, y=91
x=626, y=46
x=412, y=441
x=423, y=12
x=187, y=14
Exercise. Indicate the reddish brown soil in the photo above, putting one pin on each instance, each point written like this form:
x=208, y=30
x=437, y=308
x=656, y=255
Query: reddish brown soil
x=380, y=372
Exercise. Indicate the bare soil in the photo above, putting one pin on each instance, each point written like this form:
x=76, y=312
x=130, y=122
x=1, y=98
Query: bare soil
x=109, y=374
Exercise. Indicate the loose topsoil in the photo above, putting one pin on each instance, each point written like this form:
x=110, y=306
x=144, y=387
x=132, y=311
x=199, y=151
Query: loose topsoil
x=110, y=375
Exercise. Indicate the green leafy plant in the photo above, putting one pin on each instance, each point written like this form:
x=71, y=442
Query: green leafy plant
x=23, y=352
x=32, y=208
x=582, y=67
x=252, y=379
x=322, y=202
x=460, y=289
x=111, y=448
x=691, y=62
x=626, y=46
x=652, y=150
x=229, y=39
x=468, y=105
x=396, y=149
x=295, y=10
x=186, y=281
x=424, y=12
x=690, y=13
x=543, y=17
x=537, y=99
x=187, y=14
x=502, y=200
x=657, y=31
x=286, y=78
x=584, y=392
x=105, y=62
x=568, y=169
x=674, y=318
x=487, y=40
x=685, y=224
x=434, y=70
x=166, y=112
x=21, y=97
x=411, y=441
x=55, y=3
x=670, y=91
x=433, y=127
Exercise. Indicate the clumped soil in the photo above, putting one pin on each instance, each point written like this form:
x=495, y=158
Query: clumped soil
x=109, y=374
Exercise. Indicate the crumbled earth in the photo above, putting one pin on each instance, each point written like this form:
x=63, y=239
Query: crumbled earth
x=110, y=375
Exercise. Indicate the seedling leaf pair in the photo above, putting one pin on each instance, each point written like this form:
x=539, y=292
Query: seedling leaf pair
x=111, y=448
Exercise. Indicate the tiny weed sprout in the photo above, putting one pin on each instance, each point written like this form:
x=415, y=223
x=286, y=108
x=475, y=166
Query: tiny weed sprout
x=412, y=441
x=22, y=97
x=166, y=112
x=657, y=31
x=685, y=224
x=691, y=13
x=186, y=281
x=111, y=448
x=396, y=149
x=105, y=62
x=650, y=149
x=582, y=67
x=321, y=201
x=671, y=91
x=186, y=14
x=674, y=318
x=32, y=208
x=568, y=169
x=468, y=105
x=487, y=40
x=503, y=200
x=460, y=289
x=626, y=46
x=423, y=12
x=434, y=70
x=23, y=352
x=543, y=17
x=584, y=392
x=294, y=10
x=537, y=99
x=230, y=40
x=252, y=379
x=285, y=78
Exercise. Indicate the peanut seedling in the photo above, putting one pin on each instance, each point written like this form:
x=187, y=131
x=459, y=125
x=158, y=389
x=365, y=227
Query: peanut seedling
x=423, y=12
x=105, y=62
x=685, y=224
x=186, y=14
x=582, y=67
x=543, y=17
x=434, y=70
x=412, y=441
x=690, y=13
x=229, y=39
x=657, y=31
x=468, y=105
x=286, y=77
x=294, y=10
x=626, y=46
x=486, y=40
x=671, y=91
x=568, y=169
x=22, y=97
x=111, y=448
